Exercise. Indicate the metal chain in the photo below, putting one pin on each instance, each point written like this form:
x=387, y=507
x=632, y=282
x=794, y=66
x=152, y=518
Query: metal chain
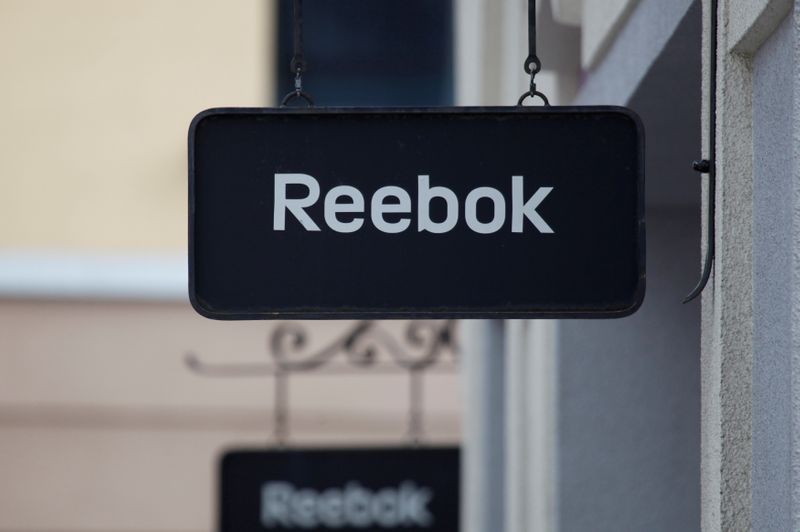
x=298, y=65
x=532, y=63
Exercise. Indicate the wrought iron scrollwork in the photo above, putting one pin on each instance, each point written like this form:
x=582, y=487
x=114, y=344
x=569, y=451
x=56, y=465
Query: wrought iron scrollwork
x=366, y=345
x=361, y=346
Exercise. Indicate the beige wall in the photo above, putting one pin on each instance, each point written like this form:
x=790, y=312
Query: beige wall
x=102, y=426
x=97, y=96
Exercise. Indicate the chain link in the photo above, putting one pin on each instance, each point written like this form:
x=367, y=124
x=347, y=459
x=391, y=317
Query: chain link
x=532, y=64
x=298, y=65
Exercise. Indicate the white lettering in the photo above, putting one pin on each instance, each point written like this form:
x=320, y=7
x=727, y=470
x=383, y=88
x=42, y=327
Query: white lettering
x=499, y=216
x=330, y=507
x=295, y=206
x=518, y=210
x=304, y=508
x=333, y=207
x=385, y=508
x=425, y=195
x=275, y=497
x=380, y=207
x=357, y=506
x=394, y=200
x=354, y=506
x=414, y=505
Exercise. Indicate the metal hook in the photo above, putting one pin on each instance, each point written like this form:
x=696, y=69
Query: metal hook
x=533, y=94
x=532, y=63
x=706, y=167
x=298, y=92
x=297, y=95
x=709, y=166
x=532, y=67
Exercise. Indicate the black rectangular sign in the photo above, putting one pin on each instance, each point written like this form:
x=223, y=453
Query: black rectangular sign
x=400, y=213
x=412, y=490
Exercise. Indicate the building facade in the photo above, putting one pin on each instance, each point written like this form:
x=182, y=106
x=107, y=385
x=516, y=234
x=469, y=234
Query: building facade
x=681, y=417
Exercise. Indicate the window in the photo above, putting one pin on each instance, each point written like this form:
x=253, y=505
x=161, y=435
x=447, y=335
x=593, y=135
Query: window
x=371, y=52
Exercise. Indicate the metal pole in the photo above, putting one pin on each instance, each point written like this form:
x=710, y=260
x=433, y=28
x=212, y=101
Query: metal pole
x=281, y=409
x=416, y=409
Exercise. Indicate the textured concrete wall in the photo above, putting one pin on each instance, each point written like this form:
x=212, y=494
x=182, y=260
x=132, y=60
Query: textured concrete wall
x=727, y=302
x=755, y=21
x=773, y=289
x=740, y=367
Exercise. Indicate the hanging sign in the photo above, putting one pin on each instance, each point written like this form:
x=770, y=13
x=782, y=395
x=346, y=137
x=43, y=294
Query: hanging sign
x=408, y=213
x=344, y=490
